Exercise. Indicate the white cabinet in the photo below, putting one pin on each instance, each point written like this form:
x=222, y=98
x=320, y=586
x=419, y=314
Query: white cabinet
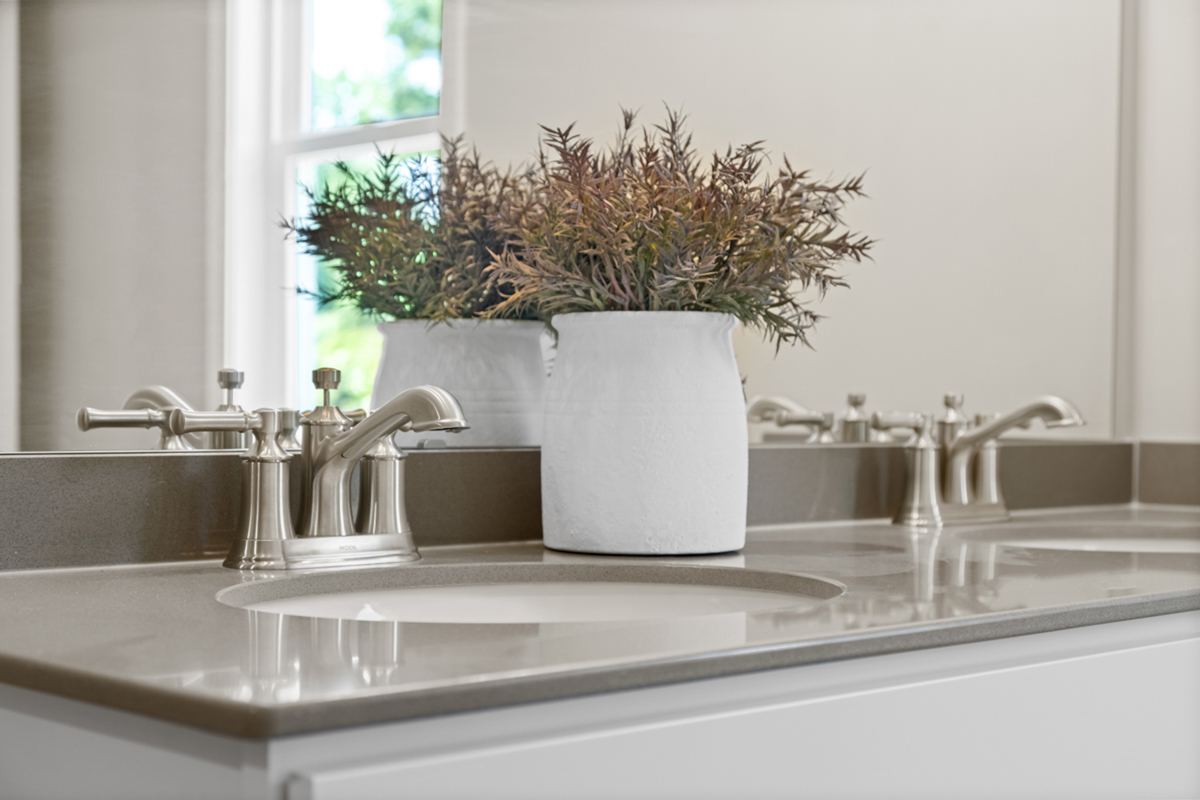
x=1109, y=710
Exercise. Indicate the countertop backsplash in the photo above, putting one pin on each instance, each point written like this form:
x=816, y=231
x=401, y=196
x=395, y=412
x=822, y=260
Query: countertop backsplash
x=81, y=509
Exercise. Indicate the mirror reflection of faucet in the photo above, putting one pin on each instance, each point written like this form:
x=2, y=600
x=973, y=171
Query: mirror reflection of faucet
x=785, y=413
x=151, y=407
x=286, y=657
x=850, y=425
x=326, y=535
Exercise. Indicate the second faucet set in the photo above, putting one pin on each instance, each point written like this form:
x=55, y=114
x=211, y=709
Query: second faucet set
x=953, y=475
x=964, y=489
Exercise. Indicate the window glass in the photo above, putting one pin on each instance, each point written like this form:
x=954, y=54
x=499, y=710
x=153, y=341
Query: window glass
x=374, y=61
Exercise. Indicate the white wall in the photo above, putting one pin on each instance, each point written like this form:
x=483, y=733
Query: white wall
x=10, y=242
x=988, y=131
x=1166, y=227
x=116, y=221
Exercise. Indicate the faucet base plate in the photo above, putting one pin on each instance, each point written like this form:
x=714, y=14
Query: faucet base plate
x=361, y=550
x=974, y=514
x=256, y=554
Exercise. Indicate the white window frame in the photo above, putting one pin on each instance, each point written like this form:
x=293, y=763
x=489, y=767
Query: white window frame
x=10, y=225
x=267, y=79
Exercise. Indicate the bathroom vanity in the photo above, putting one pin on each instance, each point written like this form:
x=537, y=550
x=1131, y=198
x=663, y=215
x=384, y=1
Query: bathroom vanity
x=1055, y=655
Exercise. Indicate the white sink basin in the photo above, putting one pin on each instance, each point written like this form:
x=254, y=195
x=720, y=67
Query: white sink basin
x=532, y=593
x=533, y=603
x=1097, y=537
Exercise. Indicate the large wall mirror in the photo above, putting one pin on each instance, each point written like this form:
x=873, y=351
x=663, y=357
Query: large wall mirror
x=1030, y=167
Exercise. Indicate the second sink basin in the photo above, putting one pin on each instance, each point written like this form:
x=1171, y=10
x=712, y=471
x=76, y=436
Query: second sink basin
x=1096, y=537
x=525, y=593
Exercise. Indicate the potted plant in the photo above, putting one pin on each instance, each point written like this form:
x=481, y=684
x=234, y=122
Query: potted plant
x=409, y=244
x=646, y=258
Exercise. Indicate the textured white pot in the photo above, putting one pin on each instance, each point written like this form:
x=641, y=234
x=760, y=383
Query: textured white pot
x=494, y=368
x=644, y=449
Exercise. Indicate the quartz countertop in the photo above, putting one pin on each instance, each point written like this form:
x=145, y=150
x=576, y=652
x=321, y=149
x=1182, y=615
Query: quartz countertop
x=153, y=638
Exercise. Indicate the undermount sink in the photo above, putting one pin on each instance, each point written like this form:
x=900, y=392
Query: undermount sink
x=532, y=593
x=1179, y=538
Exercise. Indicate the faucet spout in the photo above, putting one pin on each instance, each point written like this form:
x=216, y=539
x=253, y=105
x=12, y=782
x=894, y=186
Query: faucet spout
x=1055, y=412
x=425, y=408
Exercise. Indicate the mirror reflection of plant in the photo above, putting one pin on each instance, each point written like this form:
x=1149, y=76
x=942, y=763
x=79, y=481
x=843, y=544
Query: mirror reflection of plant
x=645, y=226
x=413, y=238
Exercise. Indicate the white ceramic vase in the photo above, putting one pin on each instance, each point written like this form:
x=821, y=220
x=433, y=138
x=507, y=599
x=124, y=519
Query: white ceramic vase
x=644, y=450
x=494, y=368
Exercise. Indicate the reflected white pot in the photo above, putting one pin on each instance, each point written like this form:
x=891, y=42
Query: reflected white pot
x=645, y=448
x=494, y=368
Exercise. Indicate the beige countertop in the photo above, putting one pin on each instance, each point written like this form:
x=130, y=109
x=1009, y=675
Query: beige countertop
x=154, y=639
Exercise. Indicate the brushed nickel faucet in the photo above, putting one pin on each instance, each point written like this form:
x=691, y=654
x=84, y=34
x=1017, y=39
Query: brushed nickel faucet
x=981, y=501
x=332, y=456
x=333, y=444
x=265, y=519
x=921, y=506
x=947, y=495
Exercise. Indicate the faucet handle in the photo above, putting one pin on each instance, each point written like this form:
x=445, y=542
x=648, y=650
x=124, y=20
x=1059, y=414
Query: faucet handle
x=953, y=403
x=886, y=420
x=182, y=422
x=771, y=408
x=855, y=427
x=954, y=421
x=289, y=423
x=326, y=378
x=783, y=412
x=89, y=418
x=921, y=506
x=265, y=423
x=265, y=522
x=230, y=378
